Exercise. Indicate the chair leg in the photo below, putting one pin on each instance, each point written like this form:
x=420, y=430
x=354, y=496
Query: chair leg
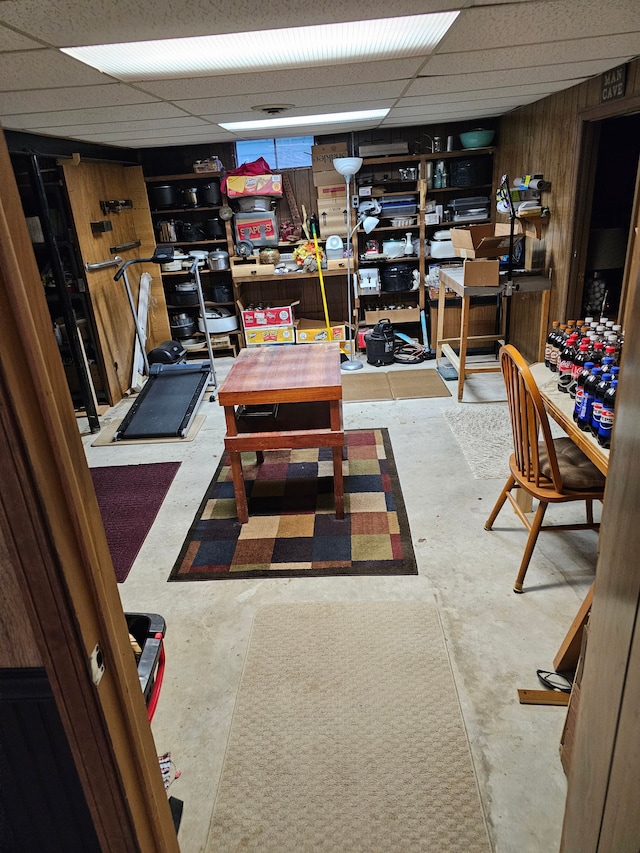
x=589, y=505
x=531, y=542
x=500, y=502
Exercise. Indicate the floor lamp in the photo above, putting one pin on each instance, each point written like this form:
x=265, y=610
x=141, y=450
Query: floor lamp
x=347, y=167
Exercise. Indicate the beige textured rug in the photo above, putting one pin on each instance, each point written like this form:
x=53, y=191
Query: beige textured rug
x=347, y=736
x=105, y=437
x=483, y=432
x=393, y=384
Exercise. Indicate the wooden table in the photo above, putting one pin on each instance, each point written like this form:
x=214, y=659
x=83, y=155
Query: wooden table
x=453, y=278
x=560, y=408
x=278, y=397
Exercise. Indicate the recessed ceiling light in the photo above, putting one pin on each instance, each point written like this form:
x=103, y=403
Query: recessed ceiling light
x=386, y=38
x=300, y=121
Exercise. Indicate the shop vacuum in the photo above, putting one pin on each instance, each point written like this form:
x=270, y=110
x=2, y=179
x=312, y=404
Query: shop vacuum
x=380, y=343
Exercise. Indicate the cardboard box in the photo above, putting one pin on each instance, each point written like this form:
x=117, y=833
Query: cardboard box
x=481, y=273
x=259, y=228
x=249, y=267
x=333, y=191
x=278, y=315
x=398, y=315
x=240, y=185
x=326, y=178
x=270, y=335
x=483, y=241
x=315, y=331
x=322, y=156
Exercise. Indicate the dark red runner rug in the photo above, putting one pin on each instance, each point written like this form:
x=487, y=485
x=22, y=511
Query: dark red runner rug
x=129, y=497
x=292, y=529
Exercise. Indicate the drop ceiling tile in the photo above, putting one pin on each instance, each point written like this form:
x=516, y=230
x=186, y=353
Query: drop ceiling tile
x=565, y=75
x=539, y=22
x=314, y=98
x=76, y=97
x=173, y=126
x=539, y=89
x=498, y=105
x=283, y=82
x=10, y=40
x=552, y=55
x=45, y=69
x=65, y=23
x=119, y=114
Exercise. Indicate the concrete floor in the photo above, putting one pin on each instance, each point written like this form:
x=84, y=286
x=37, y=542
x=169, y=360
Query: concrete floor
x=496, y=639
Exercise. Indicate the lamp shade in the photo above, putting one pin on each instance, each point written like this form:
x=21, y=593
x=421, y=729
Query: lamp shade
x=347, y=166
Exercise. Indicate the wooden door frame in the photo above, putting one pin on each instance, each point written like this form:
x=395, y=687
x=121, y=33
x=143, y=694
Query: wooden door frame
x=55, y=562
x=589, y=137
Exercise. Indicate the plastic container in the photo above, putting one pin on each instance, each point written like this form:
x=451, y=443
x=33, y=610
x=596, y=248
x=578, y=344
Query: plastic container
x=148, y=630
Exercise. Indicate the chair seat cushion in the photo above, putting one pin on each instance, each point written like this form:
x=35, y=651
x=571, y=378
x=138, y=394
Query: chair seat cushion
x=578, y=472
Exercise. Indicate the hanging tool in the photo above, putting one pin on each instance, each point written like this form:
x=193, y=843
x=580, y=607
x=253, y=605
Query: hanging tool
x=293, y=208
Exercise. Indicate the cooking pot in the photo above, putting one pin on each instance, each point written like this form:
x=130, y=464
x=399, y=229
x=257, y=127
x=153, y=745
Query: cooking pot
x=397, y=277
x=209, y=194
x=441, y=245
x=215, y=228
x=182, y=325
x=251, y=203
x=184, y=293
x=218, y=320
x=189, y=232
x=164, y=195
x=189, y=196
x=218, y=260
x=393, y=248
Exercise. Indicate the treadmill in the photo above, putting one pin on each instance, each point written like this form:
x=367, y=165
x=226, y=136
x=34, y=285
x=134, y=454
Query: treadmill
x=169, y=400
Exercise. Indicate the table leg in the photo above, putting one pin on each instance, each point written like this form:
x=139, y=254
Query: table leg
x=440, y=324
x=242, y=508
x=567, y=658
x=338, y=482
x=464, y=331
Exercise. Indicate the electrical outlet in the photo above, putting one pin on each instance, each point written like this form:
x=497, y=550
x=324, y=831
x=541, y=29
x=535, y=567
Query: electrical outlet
x=355, y=201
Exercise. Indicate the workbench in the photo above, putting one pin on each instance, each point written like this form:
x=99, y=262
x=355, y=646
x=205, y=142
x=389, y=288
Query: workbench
x=453, y=278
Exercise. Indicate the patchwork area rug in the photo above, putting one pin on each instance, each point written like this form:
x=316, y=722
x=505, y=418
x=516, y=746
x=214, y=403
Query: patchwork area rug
x=292, y=529
x=483, y=432
x=347, y=735
x=129, y=497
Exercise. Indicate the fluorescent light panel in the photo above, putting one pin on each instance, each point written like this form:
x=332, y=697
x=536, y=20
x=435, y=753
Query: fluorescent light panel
x=387, y=38
x=301, y=121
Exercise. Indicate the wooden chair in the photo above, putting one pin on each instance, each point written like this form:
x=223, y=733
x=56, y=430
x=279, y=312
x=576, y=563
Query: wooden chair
x=550, y=470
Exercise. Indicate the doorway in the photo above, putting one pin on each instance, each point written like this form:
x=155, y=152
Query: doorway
x=610, y=218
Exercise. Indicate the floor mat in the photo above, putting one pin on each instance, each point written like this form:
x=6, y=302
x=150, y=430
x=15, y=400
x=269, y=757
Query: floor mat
x=412, y=384
x=292, y=529
x=129, y=497
x=393, y=385
x=483, y=433
x=105, y=436
x=347, y=735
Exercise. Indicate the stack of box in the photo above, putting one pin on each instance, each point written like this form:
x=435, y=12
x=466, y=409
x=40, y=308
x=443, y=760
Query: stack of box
x=273, y=325
x=331, y=189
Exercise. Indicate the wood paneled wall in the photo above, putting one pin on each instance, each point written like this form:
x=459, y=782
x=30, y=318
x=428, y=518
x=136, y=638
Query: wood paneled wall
x=547, y=137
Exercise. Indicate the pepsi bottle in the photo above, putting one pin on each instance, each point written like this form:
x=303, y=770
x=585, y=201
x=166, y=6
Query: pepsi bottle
x=607, y=415
x=588, y=396
x=580, y=382
x=596, y=406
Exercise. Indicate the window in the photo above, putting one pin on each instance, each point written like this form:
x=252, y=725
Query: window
x=291, y=153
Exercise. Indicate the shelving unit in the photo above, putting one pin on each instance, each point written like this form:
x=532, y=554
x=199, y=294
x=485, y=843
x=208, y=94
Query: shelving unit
x=394, y=177
x=200, y=219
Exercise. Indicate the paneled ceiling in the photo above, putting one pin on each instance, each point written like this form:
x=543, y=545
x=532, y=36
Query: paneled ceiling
x=496, y=57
